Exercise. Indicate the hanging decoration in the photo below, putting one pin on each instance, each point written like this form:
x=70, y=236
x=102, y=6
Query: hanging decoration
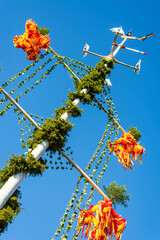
x=148, y=35
x=124, y=148
x=32, y=41
x=101, y=221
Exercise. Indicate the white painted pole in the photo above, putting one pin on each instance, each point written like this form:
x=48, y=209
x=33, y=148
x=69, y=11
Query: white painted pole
x=134, y=50
x=131, y=49
x=10, y=187
x=76, y=102
x=119, y=47
x=13, y=182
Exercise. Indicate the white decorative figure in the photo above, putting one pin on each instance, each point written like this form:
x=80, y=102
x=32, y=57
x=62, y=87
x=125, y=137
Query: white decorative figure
x=85, y=49
x=117, y=30
x=107, y=82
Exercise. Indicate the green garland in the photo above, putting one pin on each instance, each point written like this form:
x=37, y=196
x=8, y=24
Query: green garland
x=24, y=70
x=69, y=108
x=82, y=194
x=55, y=131
x=94, y=81
x=15, y=165
x=10, y=210
x=43, y=76
x=76, y=64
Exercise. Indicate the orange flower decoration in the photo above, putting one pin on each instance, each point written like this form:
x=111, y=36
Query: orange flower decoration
x=106, y=222
x=124, y=148
x=32, y=41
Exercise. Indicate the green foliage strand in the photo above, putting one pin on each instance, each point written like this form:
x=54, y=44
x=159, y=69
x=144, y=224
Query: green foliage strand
x=55, y=131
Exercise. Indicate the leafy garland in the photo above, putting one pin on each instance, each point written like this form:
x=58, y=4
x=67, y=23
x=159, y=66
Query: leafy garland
x=24, y=70
x=15, y=165
x=27, y=128
x=56, y=131
x=43, y=76
x=74, y=64
x=10, y=210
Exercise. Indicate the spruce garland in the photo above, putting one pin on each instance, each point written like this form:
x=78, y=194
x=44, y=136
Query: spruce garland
x=24, y=70
x=10, y=210
x=69, y=108
x=43, y=76
x=26, y=164
x=17, y=164
x=55, y=131
x=76, y=64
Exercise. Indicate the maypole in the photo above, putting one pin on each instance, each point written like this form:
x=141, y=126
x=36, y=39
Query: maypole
x=86, y=88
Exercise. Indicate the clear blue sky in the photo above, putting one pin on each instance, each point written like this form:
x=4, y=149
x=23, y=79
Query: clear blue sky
x=72, y=24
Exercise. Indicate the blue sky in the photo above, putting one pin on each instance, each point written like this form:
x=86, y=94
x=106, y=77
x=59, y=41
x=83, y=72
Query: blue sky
x=72, y=24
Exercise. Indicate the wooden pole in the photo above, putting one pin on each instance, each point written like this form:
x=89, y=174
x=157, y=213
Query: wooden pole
x=64, y=64
x=83, y=173
x=19, y=107
x=124, y=64
x=95, y=54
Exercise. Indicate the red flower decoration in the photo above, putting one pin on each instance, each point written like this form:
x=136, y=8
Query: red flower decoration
x=124, y=148
x=105, y=222
x=32, y=41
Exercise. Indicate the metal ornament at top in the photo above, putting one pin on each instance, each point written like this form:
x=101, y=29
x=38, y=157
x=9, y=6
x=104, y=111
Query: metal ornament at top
x=111, y=56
